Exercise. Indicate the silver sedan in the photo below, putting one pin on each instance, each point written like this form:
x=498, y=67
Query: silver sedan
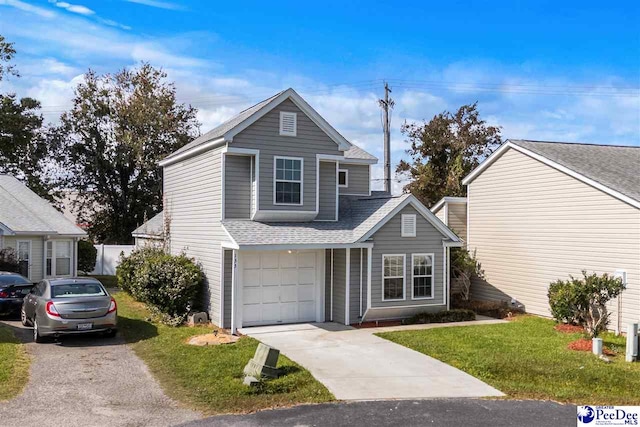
x=57, y=307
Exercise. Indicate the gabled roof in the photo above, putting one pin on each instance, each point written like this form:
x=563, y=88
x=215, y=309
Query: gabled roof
x=226, y=131
x=359, y=217
x=153, y=228
x=24, y=212
x=447, y=199
x=609, y=168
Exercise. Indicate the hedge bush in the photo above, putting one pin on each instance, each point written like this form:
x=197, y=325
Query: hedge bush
x=87, y=254
x=169, y=284
x=457, y=315
x=495, y=309
x=584, y=301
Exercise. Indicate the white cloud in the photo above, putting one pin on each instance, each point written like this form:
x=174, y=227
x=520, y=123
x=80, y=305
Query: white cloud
x=29, y=8
x=158, y=4
x=75, y=8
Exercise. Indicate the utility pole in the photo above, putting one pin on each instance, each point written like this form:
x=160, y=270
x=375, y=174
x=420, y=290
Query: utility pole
x=386, y=104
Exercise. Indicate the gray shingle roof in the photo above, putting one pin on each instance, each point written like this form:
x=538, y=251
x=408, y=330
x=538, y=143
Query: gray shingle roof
x=616, y=167
x=153, y=227
x=219, y=131
x=22, y=210
x=357, y=216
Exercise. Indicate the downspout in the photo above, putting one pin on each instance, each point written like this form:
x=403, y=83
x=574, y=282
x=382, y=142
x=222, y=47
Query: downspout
x=331, y=302
x=347, y=296
x=369, y=258
x=361, y=283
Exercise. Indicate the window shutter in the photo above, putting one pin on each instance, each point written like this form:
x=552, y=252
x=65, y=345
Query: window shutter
x=408, y=226
x=288, y=123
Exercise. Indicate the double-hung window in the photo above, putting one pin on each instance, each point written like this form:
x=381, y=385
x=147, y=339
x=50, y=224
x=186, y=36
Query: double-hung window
x=288, y=180
x=58, y=258
x=422, y=276
x=393, y=277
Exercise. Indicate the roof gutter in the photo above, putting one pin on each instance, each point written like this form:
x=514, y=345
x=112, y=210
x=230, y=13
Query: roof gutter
x=195, y=150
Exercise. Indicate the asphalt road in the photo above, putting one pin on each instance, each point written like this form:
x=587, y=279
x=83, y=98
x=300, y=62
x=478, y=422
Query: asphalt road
x=450, y=412
x=88, y=381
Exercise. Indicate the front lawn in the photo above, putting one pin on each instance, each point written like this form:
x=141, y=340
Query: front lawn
x=209, y=378
x=527, y=359
x=14, y=364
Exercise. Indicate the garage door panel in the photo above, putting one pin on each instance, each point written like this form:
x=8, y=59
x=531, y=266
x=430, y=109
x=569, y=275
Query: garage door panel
x=270, y=277
x=279, y=287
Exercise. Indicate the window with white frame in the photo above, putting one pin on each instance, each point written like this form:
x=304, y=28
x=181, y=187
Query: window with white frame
x=408, y=226
x=288, y=180
x=58, y=258
x=422, y=276
x=288, y=123
x=393, y=277
x=24, y=257
x=343, y=178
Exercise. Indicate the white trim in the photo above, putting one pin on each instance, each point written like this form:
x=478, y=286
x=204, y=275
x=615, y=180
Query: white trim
x=147, y=236
x=346, y=178
x=352, y=161
x=301, y=246
x=347, y=254
x=446, y=214
x=426, y=213
x=404, y=277
x=223, y=173
x=301, y=181
x=370, y=178
x=295, y=123
x=29, y=242
x=447, y=199
x=447, y=287
x=284, y=215
x=331, y=302
x=236, y=309
x=498, y=153
x=54, y=264
x=433, y=276
x=241, y=151
x=369, y=269
x=337, y=192
x=406, y=233
x=221, y=324
x=6, y=230
x=405, y=306
x=360, y=300
x=195, y=150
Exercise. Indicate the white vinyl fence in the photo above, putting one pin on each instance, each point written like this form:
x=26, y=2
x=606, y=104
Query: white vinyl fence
x=108, y=258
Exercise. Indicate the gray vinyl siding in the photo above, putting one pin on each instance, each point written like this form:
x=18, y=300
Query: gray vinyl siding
x=228, y=265
x=264, y=135
x=237, y=183
x=387, y=240
x=192, y=190
x=339, y=288
x=327, y=209
x=458, y=219
x=358, y=179
x=354, y=291
x=532, y=224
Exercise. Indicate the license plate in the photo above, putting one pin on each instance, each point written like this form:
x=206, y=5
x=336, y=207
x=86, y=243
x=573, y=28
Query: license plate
x=84, y=326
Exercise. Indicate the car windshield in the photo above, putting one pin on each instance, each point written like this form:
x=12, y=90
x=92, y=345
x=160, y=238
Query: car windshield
x=13, y=279
x=70, y=290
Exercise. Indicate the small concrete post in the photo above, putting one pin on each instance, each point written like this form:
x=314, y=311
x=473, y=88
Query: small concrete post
x=264, y=363
x=596, y=346
x=632, y=342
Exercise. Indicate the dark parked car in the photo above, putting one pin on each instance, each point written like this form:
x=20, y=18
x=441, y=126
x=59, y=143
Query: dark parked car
x=13, y=287
x=57, y=307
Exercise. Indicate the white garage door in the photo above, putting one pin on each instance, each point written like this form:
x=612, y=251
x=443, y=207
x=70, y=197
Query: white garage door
x=279, y=287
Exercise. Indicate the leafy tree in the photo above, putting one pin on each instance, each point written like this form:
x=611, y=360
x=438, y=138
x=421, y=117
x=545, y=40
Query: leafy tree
x=9, y=260
x=24, y=152
x=118, y=129
x=87, y=254
x=444, y=150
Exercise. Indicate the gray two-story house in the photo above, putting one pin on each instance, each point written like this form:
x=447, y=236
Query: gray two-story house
x=277, y=207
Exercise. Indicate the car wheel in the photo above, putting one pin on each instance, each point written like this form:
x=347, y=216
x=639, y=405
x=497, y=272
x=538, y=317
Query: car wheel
x=23, y=318
x=36, y=333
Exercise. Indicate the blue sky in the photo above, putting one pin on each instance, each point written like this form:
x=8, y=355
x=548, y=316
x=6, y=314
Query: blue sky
x=567, y=71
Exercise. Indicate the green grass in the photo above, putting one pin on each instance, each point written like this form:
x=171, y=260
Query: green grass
x=209, y=378
x=107, y=281
x=527, y=359
x=14, y=364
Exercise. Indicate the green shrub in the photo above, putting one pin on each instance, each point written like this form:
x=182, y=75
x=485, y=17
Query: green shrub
x=9, y=260
x=496, y=309
x=584, y=301
x=169, y=284
x=457, y=315
x=87, y=254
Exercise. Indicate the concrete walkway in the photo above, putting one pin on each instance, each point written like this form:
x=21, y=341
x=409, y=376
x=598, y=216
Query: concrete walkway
x=354, y=364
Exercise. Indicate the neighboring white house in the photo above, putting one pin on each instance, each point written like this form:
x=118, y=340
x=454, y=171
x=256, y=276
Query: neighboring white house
x=151, y=232
x=541, y=211
x=44, y=239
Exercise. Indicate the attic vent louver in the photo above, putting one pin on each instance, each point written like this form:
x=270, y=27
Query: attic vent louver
x=288, y=123
x=408, y=226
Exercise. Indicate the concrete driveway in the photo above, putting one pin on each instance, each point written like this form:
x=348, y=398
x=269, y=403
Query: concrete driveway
x=354, y=364
x=89, y=381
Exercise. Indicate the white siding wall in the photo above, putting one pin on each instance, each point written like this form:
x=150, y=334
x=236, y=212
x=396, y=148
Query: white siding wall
x=37, y=254
x=458, y=219
x=193, y=191
x=532, y=225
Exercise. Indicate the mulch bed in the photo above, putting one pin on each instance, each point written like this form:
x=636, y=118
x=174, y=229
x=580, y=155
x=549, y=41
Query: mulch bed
x=568, y=329
x=377, y=324
x=584, y=344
